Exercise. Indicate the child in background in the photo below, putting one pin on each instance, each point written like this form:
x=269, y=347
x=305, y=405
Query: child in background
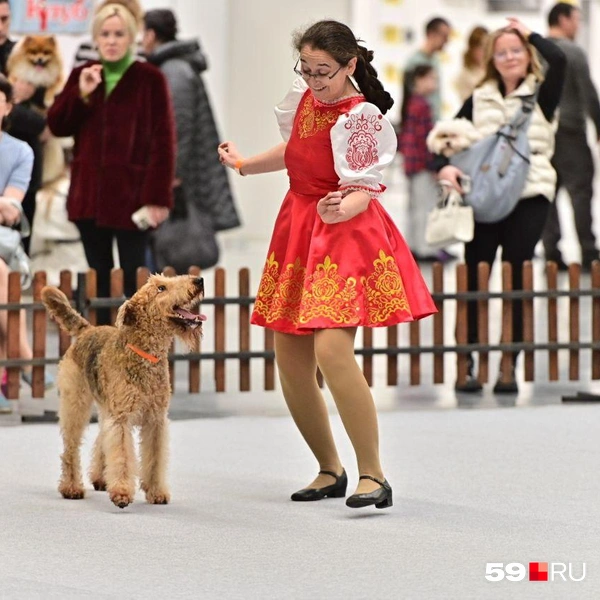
x=417, y=122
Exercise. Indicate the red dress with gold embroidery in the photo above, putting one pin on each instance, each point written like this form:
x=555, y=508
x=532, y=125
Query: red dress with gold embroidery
x=356, y=273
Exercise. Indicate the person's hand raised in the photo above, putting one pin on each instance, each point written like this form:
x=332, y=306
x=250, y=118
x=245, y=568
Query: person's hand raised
x=514, y=23
x=229, y=154
x=89, y=79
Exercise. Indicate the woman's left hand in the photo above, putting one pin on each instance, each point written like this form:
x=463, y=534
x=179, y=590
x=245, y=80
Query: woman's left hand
x=157, y=214
x=514, y=23
x=330, y=208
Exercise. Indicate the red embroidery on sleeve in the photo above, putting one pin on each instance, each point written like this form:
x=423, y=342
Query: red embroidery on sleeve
x=362, y=144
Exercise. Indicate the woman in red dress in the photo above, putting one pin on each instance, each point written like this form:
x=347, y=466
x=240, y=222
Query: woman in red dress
x=336, y=260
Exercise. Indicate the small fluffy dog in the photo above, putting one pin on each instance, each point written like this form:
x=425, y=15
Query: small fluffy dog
x=36, y=59
x=451, y=136
x=124, y=369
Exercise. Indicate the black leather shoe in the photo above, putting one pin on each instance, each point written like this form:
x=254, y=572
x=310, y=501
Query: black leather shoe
x=471, y=384
x=381, y=498
x=509, y=387
x=335, y=490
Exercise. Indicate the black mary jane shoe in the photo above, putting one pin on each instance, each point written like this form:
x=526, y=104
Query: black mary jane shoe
x=381, y=498
x=335, y=490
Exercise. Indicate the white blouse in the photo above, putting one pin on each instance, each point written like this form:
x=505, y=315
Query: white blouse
x=363, y=141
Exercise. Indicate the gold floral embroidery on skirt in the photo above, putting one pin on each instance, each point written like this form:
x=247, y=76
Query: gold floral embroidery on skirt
x=329, y=296
x=325, y=294
x=312, y=120
x=279, y=294
x=384, y=289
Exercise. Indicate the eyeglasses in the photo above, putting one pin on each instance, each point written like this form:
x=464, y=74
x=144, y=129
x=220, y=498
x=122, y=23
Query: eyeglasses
x=307, y=76
x=505, y=54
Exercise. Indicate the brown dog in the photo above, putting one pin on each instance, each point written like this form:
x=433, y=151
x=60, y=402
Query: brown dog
x=36, y=59
x=125, y=370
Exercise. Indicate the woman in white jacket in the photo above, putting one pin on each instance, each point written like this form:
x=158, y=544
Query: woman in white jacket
x=513, y=70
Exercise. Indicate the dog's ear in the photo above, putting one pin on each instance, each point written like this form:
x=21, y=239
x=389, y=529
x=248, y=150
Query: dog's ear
x=127, y=314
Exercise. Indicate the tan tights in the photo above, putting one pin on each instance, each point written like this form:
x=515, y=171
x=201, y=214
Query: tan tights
x=333, y=351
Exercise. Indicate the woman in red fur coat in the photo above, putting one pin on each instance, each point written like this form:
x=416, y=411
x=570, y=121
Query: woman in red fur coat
x=119, y=112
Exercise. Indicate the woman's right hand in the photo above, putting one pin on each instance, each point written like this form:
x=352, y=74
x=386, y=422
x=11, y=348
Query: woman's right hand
x=9, y=214
x=229, y=155
x=452, y=174
x=89, y=79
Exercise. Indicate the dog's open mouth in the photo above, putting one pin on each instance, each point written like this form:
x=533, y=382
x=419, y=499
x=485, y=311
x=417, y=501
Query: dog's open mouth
x=187, y=318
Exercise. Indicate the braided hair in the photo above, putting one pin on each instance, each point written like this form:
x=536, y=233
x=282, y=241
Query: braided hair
x=337, y=39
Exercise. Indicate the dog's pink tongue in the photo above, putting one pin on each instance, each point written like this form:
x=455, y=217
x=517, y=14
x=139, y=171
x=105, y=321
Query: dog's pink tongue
x=190, y=315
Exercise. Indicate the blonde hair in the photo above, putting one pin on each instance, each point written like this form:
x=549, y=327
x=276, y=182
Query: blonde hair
x=133, y=6
x=491, y=73
x=114, y=10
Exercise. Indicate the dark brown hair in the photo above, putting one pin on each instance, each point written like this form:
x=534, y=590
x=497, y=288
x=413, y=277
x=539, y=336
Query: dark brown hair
x=476, y=40
x=337, y=39
x=6, y=89
x=410, y=77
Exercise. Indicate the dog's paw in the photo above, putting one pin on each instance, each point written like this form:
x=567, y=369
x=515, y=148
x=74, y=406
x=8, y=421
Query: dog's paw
x=99, y=485
x=121, y=499
x=157, y=497
x=71, y=491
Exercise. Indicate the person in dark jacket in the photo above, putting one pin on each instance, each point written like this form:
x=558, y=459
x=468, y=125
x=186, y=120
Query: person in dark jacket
x=6, y=44
x=200, y=178
x=572, y=157
x=119, y=112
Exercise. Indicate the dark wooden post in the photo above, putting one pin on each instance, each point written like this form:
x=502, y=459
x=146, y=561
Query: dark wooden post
x=194, y=372
x=66, y=285
x=507, y=323
x=39, y=336
x=528, y=320
x=461, y=324
x=483, y=319
x=244, y=327
x=596, y=319
x=574, y=279
x=438, y=324
x=551, y=284
x=220, y=329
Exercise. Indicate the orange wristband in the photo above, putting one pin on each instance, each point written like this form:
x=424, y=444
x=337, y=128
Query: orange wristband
x=238, y=167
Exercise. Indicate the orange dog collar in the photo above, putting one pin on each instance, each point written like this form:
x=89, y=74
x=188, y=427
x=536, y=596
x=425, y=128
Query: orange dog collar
x=149, y=357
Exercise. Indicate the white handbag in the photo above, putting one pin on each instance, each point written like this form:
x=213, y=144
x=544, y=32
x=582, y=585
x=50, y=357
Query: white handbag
x=451, y=220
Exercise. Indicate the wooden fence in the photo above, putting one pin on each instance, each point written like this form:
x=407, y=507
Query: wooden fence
x=84, y=297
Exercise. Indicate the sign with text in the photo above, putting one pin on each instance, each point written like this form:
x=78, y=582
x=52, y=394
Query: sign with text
x=51, y=16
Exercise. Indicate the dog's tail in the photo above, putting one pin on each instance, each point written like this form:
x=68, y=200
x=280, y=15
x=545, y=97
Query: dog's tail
x=61, y=311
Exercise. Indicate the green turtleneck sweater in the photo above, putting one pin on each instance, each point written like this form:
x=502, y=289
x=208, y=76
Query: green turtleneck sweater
x=113, y=71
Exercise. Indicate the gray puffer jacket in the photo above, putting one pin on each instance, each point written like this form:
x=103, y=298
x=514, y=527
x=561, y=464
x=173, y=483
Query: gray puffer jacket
x=204, y=178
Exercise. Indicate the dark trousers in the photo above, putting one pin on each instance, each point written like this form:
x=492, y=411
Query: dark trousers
x=575, y=170
x=98, y=247
x=518, y=235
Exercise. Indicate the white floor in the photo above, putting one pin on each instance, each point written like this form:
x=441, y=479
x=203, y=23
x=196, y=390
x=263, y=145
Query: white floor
x=471, y=488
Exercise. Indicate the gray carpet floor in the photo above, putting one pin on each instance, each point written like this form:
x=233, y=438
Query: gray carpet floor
x=471, y=487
